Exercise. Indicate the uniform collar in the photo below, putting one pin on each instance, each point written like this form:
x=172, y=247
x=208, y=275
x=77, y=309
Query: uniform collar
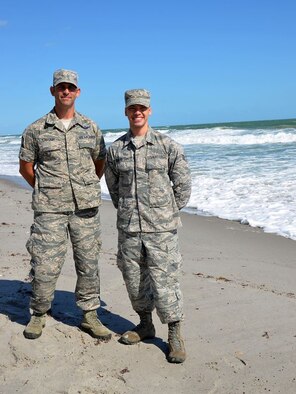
x=52, y=119
x=149, y=137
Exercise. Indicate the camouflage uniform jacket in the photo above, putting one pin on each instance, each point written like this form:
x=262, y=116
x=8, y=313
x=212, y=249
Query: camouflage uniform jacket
x=148, y=183
x=65, y=176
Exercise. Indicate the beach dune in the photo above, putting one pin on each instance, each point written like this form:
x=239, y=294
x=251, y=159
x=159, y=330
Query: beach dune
x=240, y=315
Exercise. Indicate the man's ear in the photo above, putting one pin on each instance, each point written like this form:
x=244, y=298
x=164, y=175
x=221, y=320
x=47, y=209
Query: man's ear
x=78, y=91
x=51, y=90
x=125, y=112
x=150, y=111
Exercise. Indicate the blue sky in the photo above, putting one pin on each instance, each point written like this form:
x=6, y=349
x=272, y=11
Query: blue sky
x=204, y=61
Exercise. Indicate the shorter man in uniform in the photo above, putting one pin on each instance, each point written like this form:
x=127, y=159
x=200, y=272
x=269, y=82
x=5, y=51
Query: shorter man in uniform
x=62, y=156
x=149, y=182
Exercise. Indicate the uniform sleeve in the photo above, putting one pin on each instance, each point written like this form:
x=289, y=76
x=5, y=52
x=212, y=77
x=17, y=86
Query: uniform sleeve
x=28, y=150
x=99, y=153
x=112, y=177
x=179, y=174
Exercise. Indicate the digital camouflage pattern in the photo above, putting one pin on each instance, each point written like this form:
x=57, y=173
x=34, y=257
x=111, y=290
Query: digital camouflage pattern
x=151, y=265
x=65, y=173
x=149, y=182
x=67, y=76
x=137, y=96
x=66, y=197
x=48, y=245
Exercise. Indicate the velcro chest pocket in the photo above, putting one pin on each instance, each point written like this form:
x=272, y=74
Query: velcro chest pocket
x=87, y=142
x=157, y=164
x=125, y=167
x=51, y=149
x=159, y=183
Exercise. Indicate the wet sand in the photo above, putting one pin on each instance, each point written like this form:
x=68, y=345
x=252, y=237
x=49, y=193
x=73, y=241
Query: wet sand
x=240, y=307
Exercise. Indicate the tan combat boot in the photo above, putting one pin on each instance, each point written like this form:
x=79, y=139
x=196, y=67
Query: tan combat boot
x=92, y=325
x=177, y=352
x=35, y=326
x=144, y=330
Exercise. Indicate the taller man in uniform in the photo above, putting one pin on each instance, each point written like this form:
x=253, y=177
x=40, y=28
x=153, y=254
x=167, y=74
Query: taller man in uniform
x=149, y=182
x=62, y=156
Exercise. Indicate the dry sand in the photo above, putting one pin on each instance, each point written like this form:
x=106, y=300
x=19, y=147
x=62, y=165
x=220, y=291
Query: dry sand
x=240, y=306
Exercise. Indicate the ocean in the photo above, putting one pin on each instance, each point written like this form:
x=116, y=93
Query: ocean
x=242, y=171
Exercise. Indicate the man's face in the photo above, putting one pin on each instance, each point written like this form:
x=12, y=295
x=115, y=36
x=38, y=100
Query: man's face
x=137, y=115
x=65, y=94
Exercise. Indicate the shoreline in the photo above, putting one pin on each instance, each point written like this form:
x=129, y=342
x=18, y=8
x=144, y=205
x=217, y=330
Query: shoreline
x=20, y=182
x=239, y=302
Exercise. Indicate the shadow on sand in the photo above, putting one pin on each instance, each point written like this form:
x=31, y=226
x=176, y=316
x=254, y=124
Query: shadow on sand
x=15, y=298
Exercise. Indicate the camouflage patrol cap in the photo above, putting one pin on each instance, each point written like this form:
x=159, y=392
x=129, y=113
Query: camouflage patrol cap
x=67, y=76
x=137, y=96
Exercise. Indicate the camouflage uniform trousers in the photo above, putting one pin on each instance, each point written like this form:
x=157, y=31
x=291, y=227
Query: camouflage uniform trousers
x=48, y=246
x=151, y=266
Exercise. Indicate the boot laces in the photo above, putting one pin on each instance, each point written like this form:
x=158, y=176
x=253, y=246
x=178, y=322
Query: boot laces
x=176, y=342
x=93, y=318
x=174, y=338
x=36, y=319
x=145, y=322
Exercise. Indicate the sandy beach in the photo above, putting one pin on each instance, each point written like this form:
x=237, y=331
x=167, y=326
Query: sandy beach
x=239, y=329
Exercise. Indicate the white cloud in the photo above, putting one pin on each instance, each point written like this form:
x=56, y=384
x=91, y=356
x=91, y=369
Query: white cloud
x=3, y=23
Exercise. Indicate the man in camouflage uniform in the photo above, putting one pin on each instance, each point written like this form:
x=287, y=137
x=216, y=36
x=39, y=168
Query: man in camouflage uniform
x=149, y=182
x=62, y=156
